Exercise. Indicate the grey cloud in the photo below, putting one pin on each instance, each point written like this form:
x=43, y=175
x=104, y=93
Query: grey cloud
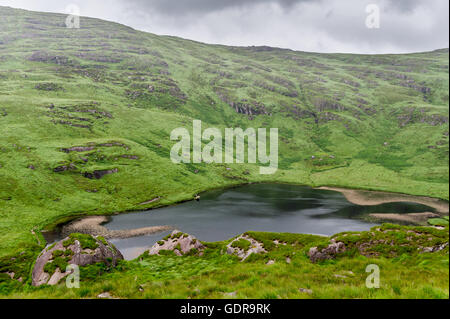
x=205, y=6
x=404, y=5
x=306, y=25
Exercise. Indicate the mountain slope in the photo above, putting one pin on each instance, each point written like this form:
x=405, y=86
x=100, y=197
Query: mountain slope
x=76, y=104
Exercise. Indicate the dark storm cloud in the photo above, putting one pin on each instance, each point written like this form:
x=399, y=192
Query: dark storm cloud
x=307, y=25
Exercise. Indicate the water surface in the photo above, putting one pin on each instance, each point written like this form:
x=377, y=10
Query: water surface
x=223, y=214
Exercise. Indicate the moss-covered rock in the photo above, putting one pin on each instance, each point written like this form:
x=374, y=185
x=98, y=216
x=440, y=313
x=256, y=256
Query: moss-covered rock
x=77, y=249
x=178, y=242
x=387, y=240
x=244, y=245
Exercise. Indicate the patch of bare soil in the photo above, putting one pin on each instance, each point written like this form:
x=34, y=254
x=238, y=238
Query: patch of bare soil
x=414, y=218
x=371, y=198
x=93, y=226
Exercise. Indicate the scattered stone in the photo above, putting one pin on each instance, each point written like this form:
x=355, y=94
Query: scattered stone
x=306, y=291
x=328, y=252
x=288, y=260
x=434, y=248
x=270, y=262
x=231, y=294
x=105, y=295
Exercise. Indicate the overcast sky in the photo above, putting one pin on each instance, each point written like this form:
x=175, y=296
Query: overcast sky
x=306, y=25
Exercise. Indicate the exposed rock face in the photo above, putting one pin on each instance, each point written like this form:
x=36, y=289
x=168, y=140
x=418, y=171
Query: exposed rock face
x=77, y=249
x=328, y=252
x=435, y=248
x=41, y=56
x=78, y=149
x=240, y=248
x=100, y=173
x=178, y=242
x=48, y=87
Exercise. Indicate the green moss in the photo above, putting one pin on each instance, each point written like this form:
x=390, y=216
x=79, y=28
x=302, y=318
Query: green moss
x=58, y=253
x=58, y=262
x=102, y=240
x=241, y=243
x=86, y=241
x=177, y=235
x=438, y=221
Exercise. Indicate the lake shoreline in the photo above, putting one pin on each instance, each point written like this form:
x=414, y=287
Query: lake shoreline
x=362, y=197
x=91, y=224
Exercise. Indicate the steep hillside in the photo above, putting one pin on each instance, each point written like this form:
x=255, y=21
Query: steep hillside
x=86, y=116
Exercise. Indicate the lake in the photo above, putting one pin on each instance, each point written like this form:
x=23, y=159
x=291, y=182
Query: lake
x=222, y=214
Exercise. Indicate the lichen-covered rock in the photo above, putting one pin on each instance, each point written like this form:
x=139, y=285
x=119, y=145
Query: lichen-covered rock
x=178, y=242
x=243, y=246
x=76, y=249
x=330, y=252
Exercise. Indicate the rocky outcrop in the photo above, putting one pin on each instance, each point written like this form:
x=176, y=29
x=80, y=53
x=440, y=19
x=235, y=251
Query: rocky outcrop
x=76, y=249
x=48, y=87
x=243, y=246
x=41, y=56
x=98, y=174
x=178, y=242
x=78, y=149
x=330, y=252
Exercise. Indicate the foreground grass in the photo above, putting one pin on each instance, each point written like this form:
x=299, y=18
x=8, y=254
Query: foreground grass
x=292, y=275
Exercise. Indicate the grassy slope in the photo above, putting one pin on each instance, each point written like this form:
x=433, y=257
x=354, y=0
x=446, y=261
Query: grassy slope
x=106, y=82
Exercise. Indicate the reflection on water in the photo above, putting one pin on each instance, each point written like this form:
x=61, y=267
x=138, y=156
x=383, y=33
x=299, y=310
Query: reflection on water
x=222, y=214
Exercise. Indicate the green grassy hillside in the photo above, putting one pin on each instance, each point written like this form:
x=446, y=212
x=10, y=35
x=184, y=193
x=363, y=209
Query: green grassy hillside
x=104, y=99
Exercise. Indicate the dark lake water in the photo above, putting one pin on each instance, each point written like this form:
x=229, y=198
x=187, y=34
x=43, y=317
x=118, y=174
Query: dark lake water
x=223, y=214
